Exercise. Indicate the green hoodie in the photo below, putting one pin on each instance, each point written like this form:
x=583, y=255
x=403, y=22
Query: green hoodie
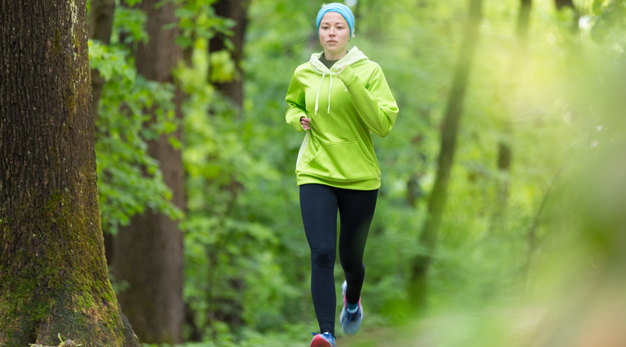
x=338, y=150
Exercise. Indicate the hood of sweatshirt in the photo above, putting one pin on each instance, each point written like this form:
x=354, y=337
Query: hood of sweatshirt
x=354, y=55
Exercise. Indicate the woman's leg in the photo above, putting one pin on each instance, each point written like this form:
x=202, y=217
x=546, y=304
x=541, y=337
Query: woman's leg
x=356, y=209
x=319, y=215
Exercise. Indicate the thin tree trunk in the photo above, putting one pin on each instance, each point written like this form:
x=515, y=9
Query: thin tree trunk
x=53, y=274
x=504, y=147
x=498, y=220
x=149, y=252
x=237, y=11
x=417, y=288
x=523, y=21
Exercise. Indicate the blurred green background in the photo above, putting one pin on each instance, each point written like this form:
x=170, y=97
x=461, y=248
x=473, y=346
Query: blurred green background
x=528, y=251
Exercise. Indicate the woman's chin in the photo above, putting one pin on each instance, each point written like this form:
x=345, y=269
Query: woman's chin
x=334, y=49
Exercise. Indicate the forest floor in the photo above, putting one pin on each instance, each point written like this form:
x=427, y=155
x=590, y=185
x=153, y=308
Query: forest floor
x=490, y=327
x=383, y=337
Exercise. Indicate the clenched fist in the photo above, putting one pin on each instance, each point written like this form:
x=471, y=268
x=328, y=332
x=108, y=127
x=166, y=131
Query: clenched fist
x=305, y=122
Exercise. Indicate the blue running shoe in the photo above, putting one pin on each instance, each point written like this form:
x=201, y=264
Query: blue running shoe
x=350, y=322
x=323, y=340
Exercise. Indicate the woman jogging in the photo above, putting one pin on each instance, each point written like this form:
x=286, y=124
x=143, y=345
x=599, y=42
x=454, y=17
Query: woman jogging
x=339, y=98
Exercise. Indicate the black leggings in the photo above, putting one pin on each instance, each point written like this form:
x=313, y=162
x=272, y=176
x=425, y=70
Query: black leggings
x=319, y=204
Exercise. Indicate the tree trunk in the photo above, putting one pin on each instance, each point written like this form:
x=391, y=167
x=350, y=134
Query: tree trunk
x=417, y=288
x=149, y=252
x=53, y=274
x=237, y=11
x=504, y=147
x=498, y=219
x=523, y=20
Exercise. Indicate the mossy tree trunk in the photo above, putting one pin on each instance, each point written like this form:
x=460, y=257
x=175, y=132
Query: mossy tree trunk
x=417, y=287
x=53, y=274
x=148, y=253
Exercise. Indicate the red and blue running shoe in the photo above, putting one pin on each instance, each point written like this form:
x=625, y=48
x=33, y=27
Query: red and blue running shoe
x=323, y=340
x=350, y=322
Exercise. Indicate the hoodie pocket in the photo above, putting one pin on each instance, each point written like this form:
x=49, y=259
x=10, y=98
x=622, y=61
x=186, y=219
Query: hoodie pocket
x=342, y=161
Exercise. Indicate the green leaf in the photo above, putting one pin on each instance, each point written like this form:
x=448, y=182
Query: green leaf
x=184, y=41
x=184, y=13
x=170, y=26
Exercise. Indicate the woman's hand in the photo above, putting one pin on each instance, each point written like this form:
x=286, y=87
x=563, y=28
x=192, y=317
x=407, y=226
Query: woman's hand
x=343, y=67
x=305, y=122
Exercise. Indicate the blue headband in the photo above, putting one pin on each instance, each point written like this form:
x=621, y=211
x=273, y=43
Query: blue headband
x=342, y=10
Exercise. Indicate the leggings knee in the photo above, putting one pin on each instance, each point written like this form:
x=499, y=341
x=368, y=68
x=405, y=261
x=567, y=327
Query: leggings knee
x=356, y=271
x=323, y=256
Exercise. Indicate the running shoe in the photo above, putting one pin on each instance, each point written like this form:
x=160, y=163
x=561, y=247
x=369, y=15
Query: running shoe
x=350, y=322
x=323, y=340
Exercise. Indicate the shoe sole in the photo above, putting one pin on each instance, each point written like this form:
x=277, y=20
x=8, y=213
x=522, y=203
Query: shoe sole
x=319, y=341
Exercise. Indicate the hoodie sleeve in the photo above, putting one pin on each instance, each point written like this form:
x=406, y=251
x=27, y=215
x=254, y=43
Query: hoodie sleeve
x=297, y=105
x=376, y=105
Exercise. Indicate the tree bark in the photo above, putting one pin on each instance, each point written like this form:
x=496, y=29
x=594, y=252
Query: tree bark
x=53, y=274
x=417, y=288
x=237, y=11
x=149, y=252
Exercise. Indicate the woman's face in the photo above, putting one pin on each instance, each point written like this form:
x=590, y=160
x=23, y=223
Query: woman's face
x=334, y=32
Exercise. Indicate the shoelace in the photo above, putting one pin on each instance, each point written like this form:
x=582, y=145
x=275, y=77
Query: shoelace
x=352, y=315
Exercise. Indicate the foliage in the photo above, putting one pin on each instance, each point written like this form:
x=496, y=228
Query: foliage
x=198, y=20
x=608, y=16
x=129, y=180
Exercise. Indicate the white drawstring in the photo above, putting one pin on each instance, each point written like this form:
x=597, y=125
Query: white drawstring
x=317, y=98
x=330, y=90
